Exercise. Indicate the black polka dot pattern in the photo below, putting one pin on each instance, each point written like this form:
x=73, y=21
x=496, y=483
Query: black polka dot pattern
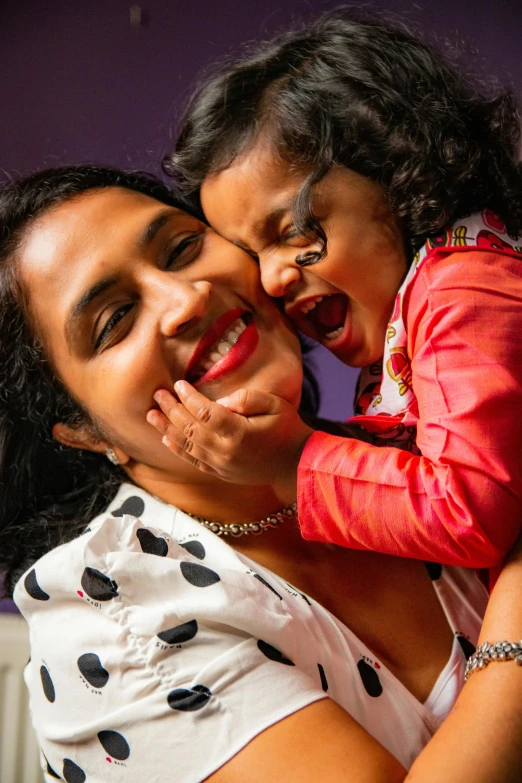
x=265, y=583
x=370, y=679
x=33, y=588
x=72, y=772
x=434, y=570
x=179, y=633
x=467, y=647
x=50, y=771
x=91, y=668
x=151, y=544
x=98, y=586
x=198, y=575
x=47, y=684
x=114, y=744
x=92, y=663
x=195, y=548
x=273, y=654
x=134, y=506
x=189, y=699
x=322, y=675
x=303, y=596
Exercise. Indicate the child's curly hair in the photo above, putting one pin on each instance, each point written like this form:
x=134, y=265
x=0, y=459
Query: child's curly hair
x=355, y=91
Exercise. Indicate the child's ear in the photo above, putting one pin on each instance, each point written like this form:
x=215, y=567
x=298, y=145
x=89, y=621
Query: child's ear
x=82, y=438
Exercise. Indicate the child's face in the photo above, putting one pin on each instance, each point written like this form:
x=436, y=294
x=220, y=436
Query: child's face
x=345, y=300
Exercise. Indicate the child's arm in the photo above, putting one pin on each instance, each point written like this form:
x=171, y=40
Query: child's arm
x=461, y=501
x=256, y=439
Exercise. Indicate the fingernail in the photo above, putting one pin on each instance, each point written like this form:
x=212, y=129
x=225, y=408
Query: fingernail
x=180, y=387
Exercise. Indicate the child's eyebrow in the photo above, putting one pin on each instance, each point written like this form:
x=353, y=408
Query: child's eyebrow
x=266, y=224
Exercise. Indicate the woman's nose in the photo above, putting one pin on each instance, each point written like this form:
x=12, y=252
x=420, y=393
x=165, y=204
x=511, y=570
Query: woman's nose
x=278, y=274
x=184, y=306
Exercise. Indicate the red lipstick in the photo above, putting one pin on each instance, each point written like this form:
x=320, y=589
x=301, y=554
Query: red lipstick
x=237, y=355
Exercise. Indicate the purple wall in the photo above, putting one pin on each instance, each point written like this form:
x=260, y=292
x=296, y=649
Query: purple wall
x=80, y=83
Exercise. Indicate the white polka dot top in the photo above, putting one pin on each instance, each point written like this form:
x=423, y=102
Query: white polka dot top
x=158, y=652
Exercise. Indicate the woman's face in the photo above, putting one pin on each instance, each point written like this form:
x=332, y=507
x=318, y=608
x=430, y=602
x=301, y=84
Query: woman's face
x=131, y=295
x=344, y=300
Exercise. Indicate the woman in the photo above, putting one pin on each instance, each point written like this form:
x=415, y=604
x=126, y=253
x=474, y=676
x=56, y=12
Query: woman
x=157, y=648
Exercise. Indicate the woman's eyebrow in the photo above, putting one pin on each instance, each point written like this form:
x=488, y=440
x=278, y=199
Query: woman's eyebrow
x=78, y=309
x=154, y=226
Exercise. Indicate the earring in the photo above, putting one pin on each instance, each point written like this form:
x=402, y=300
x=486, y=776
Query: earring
x=111, y=456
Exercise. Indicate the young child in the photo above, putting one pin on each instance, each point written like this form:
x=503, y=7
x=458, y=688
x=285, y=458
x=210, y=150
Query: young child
x=381, y=196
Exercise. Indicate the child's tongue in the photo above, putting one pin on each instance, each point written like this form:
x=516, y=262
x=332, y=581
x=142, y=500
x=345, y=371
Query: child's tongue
x=330, y=314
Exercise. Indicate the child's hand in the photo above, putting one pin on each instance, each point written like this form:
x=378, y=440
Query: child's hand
x=250, y=437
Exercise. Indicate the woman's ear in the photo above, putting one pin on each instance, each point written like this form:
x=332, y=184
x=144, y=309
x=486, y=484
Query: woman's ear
x=82, y=438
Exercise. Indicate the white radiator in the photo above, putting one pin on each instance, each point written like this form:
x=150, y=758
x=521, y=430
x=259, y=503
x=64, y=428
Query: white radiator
x=19, y=755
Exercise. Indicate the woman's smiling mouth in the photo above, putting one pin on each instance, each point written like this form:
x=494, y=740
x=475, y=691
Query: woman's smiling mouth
x=226, y=345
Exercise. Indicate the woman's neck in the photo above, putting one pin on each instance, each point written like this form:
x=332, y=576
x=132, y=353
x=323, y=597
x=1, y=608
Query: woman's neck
x=210, y=498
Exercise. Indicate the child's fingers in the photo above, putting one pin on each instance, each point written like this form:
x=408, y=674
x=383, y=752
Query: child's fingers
x=251, y=402
x=158, y=420
x=180, y=426
x=179, y=437
x=193, y=457
x=214, y=417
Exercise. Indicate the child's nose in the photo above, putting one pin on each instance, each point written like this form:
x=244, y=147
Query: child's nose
x=278, y=274
x=184, y=306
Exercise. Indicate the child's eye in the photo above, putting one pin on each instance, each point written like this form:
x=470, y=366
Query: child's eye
x=184, y=251
x=111, y=325
x=293, y=236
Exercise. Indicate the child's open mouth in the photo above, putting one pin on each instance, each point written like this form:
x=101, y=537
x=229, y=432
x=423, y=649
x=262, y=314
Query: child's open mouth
x=326, y=315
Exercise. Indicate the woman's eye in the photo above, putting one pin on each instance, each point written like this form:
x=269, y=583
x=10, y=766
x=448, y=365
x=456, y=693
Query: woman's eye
x=185, y=251
x=111, y=325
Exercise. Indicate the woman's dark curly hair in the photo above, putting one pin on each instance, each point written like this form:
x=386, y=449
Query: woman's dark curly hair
x=49, y=493
x=353, y=90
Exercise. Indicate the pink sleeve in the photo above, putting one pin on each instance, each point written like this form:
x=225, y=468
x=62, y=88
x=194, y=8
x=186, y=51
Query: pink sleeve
x=461, y=501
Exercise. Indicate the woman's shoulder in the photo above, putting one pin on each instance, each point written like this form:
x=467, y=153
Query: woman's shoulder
x=143, y=620
x=142, y=555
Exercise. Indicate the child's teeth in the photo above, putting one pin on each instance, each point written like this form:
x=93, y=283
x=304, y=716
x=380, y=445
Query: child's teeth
x=334, y=334
x=309, y=306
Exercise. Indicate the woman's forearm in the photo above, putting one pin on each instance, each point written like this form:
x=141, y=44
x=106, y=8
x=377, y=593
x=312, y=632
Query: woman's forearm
x=481, y=740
